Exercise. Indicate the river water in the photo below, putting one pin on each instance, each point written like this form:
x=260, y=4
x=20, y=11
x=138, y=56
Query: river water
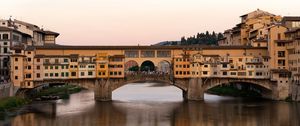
x=149, y=104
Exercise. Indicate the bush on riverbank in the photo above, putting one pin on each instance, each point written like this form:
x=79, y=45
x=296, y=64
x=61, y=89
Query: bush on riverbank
x=233, y=91
x=11, y=103
x=61, y=91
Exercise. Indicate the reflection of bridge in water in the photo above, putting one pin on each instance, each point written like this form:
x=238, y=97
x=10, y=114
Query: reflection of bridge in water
x=171, y=113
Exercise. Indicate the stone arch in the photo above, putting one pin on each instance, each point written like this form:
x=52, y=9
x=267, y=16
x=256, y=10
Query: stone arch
x=164, y=66
x=130, y=64
x=264, y=89
x=147, y=66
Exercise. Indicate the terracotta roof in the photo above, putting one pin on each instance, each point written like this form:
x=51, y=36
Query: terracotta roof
x=47, y=32
x=11, y=29
x=290, y=18
x=5, y=29
x=191, y=47
x=51, y=33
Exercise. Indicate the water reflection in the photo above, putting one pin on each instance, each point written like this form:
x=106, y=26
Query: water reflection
x=142, y=109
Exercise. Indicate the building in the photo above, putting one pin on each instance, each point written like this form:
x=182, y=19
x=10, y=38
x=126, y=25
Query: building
x=17, y=35
x=252, y=29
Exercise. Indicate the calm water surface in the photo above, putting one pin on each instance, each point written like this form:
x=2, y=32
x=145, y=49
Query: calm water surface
x=146, y=104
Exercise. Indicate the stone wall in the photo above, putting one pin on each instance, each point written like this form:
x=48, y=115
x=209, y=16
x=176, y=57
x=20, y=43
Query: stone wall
x=5, y=90
x=295, y=92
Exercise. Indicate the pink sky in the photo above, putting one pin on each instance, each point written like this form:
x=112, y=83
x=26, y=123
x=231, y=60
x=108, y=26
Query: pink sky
x=132, y=22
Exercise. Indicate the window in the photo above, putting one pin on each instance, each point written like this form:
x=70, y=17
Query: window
x=73, y=74
x=51, y=74
x=281, y=62
x=56, y=74
x=73, y=60
x=16, y=77
x=38, y=75
x=5, y=36
x=281, y=53
x=29, y=52
x=16, y=67
x=5, y=50
x=67, y=74
x=56, y=67
x=224, y=65
x=163, y=53
x=120, y=73
x=66, y=60
x=29, y=59
x=51, y=67
x=29, y=67
x=278, y=36
x=5, y=43
x=28, y=75
x=46, y=67
x=56, y=60
x=224, y=73
x=250, y=73
x=280, y=44
x=205, y=66
x=147, y=53
x=18, y=51
x=205, y=72
x=38, y=67
x=16, y=59
x=47, y=60
x=132, y=54
x=62, y=74
x=102, y=66
x=46, y=74
x=240, y=59
x=90, y=73
x=38, y=60
x=82, y=73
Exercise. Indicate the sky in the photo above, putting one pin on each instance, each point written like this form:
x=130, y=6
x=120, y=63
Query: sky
x=133, y=22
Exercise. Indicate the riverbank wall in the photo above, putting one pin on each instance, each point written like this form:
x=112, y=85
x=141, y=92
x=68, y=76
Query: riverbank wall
x=5, y=90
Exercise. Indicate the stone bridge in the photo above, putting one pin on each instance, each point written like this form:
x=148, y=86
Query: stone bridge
x=193, y=88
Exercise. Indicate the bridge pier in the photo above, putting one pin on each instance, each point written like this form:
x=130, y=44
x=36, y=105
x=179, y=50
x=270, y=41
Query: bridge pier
x=103, y=91
x=194, y=90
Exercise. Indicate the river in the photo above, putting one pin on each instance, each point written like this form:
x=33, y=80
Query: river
x=149, y=104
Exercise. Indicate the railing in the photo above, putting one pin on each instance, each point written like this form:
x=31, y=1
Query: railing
x=143, y=76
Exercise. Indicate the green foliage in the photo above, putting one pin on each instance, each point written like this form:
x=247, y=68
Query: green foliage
x=61, y=91
x=11, y=103
x=134, y=68
x=232, y=91
x=202, y=39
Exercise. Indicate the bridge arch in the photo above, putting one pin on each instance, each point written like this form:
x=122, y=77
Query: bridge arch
x=263, y=87
x=147, y=65
x=131, y=65
x=164, y=66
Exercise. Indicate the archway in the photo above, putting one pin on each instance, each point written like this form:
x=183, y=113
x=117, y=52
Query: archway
x=164, y=66
x=147, y=66
x=131, y=65
x=240, y=89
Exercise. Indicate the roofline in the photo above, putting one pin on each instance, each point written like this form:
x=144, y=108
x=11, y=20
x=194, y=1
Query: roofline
x=191, y=47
